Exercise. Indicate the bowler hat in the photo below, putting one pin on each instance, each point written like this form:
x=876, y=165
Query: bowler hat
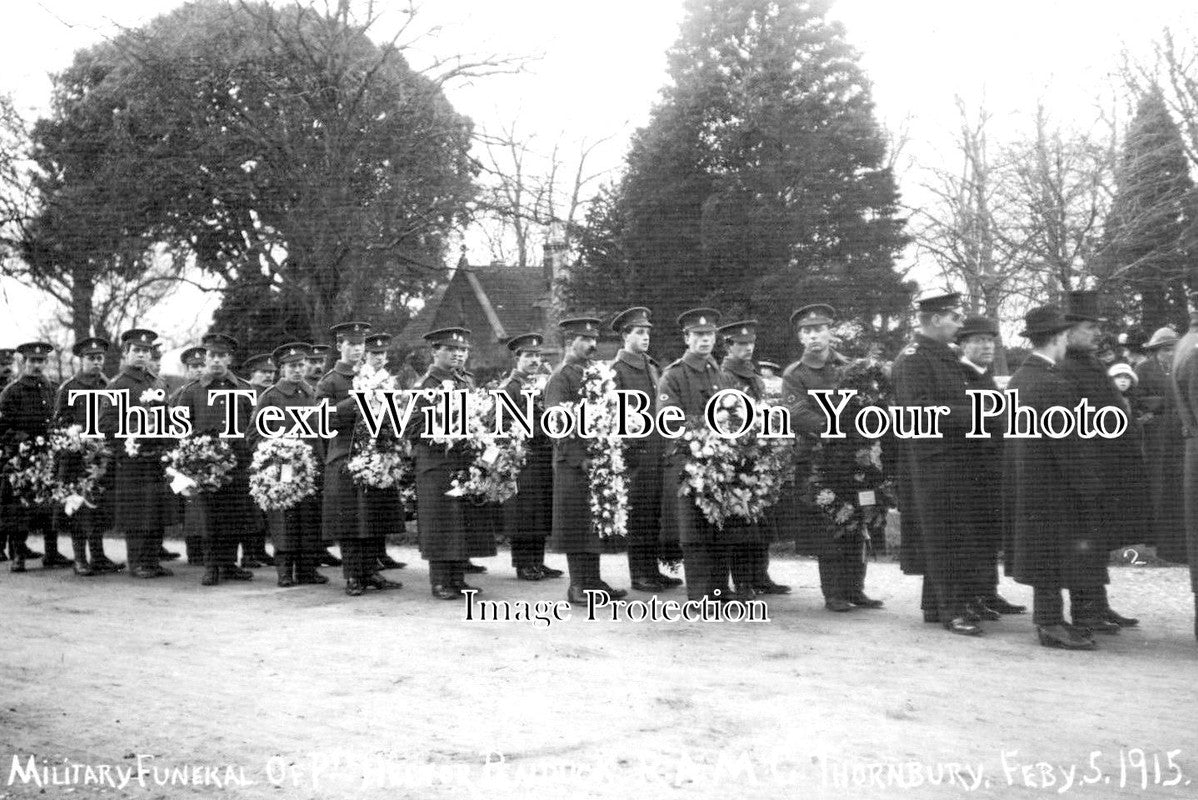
x=1044, y=319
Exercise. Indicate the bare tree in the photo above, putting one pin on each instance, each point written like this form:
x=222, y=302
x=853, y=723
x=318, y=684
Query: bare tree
x=971, y=229
x=526, y=191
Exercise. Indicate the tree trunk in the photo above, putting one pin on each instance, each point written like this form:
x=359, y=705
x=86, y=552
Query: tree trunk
x=83, y=288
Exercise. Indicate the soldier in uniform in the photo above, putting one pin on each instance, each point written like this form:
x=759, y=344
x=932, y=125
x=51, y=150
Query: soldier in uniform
x=26, y=407
x=928, y=373
x=528, y=517
x=636, y=371
x=1051, y=496
x=87, y=525
x=981, y=468
x=1164, y=447
x=1118, y=462
x=296, y=531
x=382, y=509
x=228, y=512
x=342, y=508
x=688, y=384
x=315, y=364
x=771, y=376
x=260, y=372
x=142, y=503
x=441, y=520
x=7, y=357
x=841, y=560
x=573, y=531
x=190, y=510
x=749, y=557
x=1184, y=377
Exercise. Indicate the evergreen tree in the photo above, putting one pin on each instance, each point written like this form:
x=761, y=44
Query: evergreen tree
x=1144, y=261
x=759, y=183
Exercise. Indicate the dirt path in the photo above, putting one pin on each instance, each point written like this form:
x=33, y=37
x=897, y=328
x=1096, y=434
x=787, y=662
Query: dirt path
x=307, y=693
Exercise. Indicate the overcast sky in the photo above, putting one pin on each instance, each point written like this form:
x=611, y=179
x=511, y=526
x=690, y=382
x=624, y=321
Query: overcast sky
x=601, y=65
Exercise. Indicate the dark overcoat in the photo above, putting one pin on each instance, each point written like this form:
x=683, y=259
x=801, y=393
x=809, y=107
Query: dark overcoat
x=26, y=406
x=572, y=528
x=529, y=515
x=296, y=530
x=341, y=516
x=1164, y=457
x=687, y=383
x=798, y=518
x=71, y=466
x=1050, y=493
x=1119, y=462
x=228, y=511
x=142, y=501
x=642, y=457
x=927, y=373
x=440, y=520
x=1185, y=387
x=980, y=468
x=741, y=374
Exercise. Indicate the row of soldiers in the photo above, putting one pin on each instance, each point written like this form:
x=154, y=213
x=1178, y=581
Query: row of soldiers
x=1055, y=507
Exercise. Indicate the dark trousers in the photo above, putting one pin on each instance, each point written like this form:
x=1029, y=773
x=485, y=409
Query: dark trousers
x=642, y=558
x=357, y=559
x=706, y=569
x=761, y=563
x=1048, y=606
x=528, y=551
x=743, y=564
x=584, y=570
x=842, y=568
x=142, y=548
x=220, y=547
x=378, y=545
x=447, y=573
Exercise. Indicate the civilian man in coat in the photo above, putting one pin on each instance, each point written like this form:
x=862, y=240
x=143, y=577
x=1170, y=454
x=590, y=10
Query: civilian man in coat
x=87, y=525
x=229, y=516
x=688, y=384
x=441, y=520
x=637, y=371
x=382, y=509
x=981, y=467
x=1185, y=386
x=1118, y=462
x=142, y=503
x=927, y=373
x=1051, y=497
x=1164, y=446
x=296, y=531
x=841, y=562
x=26, y=407
x=573, y=531
x=528, y=517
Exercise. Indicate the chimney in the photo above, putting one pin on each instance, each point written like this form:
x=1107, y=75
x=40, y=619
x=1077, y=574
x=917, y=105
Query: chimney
x=554, y=268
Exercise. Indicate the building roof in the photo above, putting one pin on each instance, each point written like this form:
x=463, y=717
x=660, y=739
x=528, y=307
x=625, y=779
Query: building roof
x=512, y=300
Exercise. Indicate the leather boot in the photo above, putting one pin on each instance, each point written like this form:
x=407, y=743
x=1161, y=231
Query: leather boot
x=284, y=566
x=305, y=570
x=99, y=561
x=79, y=547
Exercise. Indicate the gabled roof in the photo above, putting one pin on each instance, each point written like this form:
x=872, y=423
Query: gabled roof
x=512, y=301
